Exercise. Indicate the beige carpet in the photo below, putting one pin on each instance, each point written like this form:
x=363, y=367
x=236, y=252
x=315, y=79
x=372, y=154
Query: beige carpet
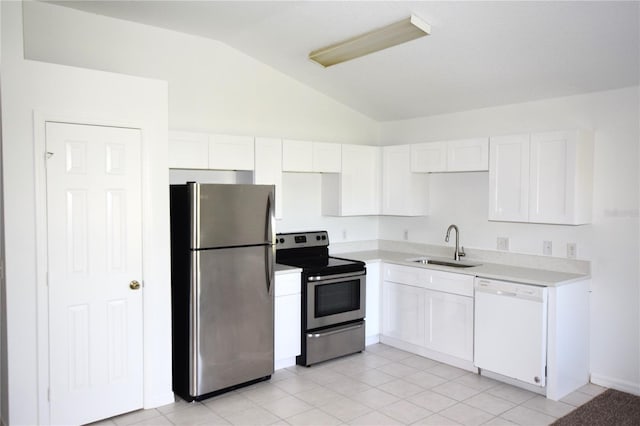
x=610, y=408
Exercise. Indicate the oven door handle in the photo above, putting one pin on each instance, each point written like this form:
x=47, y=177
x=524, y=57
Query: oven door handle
x=336, y=276
x=328, y=333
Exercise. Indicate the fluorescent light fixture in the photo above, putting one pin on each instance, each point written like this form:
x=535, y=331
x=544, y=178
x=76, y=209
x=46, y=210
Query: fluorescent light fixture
x=397, y=33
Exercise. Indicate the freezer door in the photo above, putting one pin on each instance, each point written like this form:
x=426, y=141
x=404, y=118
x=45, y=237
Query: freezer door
x=231, y=215
x=232, y=318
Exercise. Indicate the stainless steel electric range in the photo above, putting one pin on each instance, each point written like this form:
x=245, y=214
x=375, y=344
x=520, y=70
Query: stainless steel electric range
x=333, y=296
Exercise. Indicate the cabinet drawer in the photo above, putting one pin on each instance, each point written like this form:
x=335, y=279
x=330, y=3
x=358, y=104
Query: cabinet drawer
x=450, y=283
x=406, y=275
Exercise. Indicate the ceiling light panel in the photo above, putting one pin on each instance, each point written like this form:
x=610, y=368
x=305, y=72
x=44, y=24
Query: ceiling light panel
x=382, y=38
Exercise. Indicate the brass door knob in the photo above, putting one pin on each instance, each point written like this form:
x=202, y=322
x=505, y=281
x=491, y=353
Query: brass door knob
x=134, y=285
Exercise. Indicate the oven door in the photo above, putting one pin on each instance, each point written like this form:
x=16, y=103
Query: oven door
x=334, y=299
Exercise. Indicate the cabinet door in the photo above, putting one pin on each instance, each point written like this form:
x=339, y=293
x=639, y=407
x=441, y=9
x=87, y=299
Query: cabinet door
x=327, y=157
x=509, y=178
x=372, y=324
x=287, y=319
x=552, y=177
x=429, y=157
x=297, y=156
x=268, y=167
x=229, y=152
x=188, y=150
x=468, y=155
x=403, y=312
x=360, y=180
x=396, y=180
x=449, y=324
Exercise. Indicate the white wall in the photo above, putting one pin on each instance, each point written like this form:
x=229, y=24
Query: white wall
x=31, y=88
x=212, y=87
x=611, y=243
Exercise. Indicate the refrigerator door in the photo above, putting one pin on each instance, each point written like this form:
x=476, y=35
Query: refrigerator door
x=232, y=317
x=231, y=215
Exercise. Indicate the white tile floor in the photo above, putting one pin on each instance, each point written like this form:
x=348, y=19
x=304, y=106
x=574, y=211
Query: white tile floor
x=381, y=386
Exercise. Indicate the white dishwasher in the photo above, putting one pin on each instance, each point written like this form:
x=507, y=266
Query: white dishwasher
x=510, y=335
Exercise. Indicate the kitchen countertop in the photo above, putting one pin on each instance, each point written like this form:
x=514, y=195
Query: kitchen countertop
x=285, y=269
x=539, y=277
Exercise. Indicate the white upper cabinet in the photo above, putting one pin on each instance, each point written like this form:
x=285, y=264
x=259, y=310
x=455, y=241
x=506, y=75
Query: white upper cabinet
x=429, y=157
x=191, y=150
x=306, y=156
x=268, y=167
x=230, y=152
x=404, y=193
x=327, y=157
x=509, y=178
x=561, y=177
x=188, y=150
x=463, y=155
x=468, y=155
x=356, y=190
x=541, y=178
x=297, y=156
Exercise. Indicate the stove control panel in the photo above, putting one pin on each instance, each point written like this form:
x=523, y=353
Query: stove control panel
x=302, y=239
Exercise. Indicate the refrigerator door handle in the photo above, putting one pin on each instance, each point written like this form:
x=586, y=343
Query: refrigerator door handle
x=270, y=228
x=269, y=267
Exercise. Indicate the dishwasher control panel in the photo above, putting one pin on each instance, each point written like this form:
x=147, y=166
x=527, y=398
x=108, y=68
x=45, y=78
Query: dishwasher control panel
x=505, y=288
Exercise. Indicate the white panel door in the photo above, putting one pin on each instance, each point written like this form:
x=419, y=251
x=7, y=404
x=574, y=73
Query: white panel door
x=429, y=157
x=188, y=150
x=509, y=178
x=297, y=156
x=94, y=257
x=552, y=177
x=467, y=155
x=360, y=180
x=403, y=312
x=327, y=157
x=449, y=327
x=396, y=180
x=230, y=152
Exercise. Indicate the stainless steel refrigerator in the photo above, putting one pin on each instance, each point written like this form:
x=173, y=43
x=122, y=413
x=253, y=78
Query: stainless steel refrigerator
x=222, y=258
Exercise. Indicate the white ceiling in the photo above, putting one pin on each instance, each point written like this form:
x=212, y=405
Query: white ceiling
x=479, y=53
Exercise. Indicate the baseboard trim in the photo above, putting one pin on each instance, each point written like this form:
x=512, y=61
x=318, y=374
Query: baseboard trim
x=617, y=384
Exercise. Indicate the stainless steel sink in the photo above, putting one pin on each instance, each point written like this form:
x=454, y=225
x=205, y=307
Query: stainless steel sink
x=445, y=262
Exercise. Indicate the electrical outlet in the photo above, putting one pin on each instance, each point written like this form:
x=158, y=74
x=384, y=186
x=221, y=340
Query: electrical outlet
x=503, y=243
x=547, y=248
x=344, y=234
x=406, y=234
x=572, y=250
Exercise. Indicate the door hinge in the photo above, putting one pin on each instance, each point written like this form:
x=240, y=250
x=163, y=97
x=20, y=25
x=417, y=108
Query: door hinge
x=545, y=371
x=49, y=394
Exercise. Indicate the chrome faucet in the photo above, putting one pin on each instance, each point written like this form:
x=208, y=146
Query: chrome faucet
x=459, y=251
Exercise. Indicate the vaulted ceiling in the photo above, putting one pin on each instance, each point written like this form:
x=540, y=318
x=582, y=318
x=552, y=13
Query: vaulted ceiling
x=479, y=54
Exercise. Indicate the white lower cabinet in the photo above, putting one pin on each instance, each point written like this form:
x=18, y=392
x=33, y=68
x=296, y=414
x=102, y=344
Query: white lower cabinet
x=428, y=312
x=403, y=312
x=372, y=320
x=449, y=326
x=287, y=319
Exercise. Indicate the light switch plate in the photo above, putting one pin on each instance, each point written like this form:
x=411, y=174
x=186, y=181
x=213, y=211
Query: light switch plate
x=503, y=243
x=406, y=234
x=547, y=248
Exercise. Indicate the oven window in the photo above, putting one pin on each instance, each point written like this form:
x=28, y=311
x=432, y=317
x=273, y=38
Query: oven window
x=336, y=298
